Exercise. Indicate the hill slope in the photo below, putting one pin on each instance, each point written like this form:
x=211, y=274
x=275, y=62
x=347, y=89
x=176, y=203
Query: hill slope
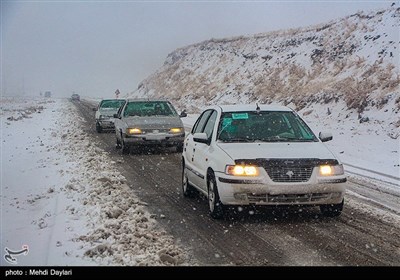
x=352, y=62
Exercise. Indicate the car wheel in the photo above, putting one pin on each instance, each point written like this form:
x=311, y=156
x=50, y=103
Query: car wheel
x=118, y=144
x=214, y=202
x=187, y=188
x=99, y=129
x=124, y=148
x=179, y=148
x=332, y=210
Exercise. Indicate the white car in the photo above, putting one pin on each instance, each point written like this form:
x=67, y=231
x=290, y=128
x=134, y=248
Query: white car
x=260, y=155
x=105, y=113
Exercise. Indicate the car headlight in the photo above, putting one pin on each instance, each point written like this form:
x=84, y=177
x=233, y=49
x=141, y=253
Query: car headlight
x=176, y=130
x=133, y=131
x=331, y=170
x=242, y=170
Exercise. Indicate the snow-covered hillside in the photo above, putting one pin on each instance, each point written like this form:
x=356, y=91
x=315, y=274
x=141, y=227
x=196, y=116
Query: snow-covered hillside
x=352, y=63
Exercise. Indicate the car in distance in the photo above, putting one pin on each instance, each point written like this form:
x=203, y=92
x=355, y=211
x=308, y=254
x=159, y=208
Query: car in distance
x=260, y=155
x=105, y=113
x=75, y=97
x=148, y=122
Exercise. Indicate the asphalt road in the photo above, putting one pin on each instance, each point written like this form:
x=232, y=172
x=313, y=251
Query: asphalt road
x=366, y=234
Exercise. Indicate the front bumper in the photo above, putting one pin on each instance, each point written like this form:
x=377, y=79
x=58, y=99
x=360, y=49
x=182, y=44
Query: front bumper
x=263, y=191
x=106, y=123
x=163, y=139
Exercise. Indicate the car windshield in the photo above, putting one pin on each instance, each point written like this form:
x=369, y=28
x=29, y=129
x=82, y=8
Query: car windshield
x=149, y=108
x=111, y=104
x=265, y=126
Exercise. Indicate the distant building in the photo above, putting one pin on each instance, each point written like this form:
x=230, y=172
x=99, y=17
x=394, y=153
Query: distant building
x=47, y=94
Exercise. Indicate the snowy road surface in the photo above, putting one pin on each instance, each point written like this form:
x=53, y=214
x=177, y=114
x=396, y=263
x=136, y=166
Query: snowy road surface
x=367, y=233
x=75, y=200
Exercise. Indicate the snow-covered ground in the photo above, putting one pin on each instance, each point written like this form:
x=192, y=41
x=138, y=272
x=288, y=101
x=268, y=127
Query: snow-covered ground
x=370, y=148
x=62, y=196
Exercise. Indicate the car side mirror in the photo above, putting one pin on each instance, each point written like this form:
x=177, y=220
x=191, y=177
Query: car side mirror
x=116, y=116
x=183, y=114
x=94, y=109
x=201, y=138
x=325, y=136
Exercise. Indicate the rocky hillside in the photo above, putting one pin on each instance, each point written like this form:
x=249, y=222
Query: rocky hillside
x=354, y=60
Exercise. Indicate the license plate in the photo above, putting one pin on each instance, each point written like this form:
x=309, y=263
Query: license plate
x=155, y=137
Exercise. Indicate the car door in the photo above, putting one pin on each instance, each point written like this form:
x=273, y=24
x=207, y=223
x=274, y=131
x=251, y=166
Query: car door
x=202, y=152
x=190, y=148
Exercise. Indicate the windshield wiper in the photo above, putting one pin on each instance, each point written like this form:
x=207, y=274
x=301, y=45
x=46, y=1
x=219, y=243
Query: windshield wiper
x=238, y=139
x=284, y=139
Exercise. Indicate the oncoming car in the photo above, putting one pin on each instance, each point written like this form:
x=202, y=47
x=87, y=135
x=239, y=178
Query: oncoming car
x=105, y=113
x=260, y=155
x=147, y=123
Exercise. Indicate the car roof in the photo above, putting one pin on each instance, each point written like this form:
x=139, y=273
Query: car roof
x=144, y=100
x=252, y=107
x=119, y=99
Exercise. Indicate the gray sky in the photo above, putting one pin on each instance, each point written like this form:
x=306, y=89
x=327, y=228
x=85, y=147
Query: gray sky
x=94, y=47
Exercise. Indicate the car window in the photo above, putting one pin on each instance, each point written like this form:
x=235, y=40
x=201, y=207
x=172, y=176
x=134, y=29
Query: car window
x=149, y=108
x=111, y=104
x=199, y=125
x=209, y=127
x=269, y=126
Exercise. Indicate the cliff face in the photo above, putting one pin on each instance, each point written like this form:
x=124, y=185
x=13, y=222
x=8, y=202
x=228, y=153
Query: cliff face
x=354, y=60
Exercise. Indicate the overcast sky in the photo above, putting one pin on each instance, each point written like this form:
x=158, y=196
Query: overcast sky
x=94, y=47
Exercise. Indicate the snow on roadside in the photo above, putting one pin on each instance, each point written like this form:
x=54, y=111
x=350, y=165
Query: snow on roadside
x=62, y=196
x=34, y=209
x=373, y=144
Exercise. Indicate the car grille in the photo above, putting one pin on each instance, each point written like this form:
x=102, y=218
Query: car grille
x=289, y=173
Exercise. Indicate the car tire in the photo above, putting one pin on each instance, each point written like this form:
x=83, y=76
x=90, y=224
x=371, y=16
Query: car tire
x=332, y=210
x=124, y=148
x=179, y=148
x=187, y=189
x=118, y=143
x=215, y=205
x=99, y=129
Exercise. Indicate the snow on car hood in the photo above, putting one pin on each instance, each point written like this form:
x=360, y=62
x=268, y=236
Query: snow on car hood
x=153, y=122
x=277, y=150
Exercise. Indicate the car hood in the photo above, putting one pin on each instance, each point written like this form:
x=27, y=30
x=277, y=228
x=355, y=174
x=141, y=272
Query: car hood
x=108, y=111
x=153, y=122
x=277, y=150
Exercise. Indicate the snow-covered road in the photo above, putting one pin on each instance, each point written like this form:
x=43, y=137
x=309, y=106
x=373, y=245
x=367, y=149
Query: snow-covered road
x=63, y=197
x=75, y=200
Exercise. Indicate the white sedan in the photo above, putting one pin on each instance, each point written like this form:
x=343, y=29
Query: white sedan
x=260, y=155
